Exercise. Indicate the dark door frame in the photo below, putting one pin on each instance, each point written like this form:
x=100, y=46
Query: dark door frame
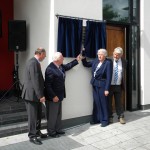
x=130, y=100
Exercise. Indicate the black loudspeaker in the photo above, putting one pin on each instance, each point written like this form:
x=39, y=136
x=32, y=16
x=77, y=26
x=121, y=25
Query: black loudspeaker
x=17, y=35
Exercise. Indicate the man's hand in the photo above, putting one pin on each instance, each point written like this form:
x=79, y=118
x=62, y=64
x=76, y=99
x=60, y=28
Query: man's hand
x=82, y=57
x=55, y=99
x=78, y=58
x=106, y=93
x=42, y=99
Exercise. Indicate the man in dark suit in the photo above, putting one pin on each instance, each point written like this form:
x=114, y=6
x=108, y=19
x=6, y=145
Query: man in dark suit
x=33, y=93
x=101, y=79
x=55, y=92
x=117, y=84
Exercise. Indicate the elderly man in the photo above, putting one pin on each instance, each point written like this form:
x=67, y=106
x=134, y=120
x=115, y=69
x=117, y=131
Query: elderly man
x=33, y=93
x=101, y=79
x=55, y=92
x=117, y=84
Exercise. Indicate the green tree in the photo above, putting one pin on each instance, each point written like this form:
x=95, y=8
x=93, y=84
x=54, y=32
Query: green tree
x=109, y=13
x=125, y=19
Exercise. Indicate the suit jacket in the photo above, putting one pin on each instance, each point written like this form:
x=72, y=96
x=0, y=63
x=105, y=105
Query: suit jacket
x=55, y=80
x=103, y=75
x=124, y=65
x=33, y=86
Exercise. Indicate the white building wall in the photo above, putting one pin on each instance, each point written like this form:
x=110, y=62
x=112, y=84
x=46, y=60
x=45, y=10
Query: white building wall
x=42, y=26
x=79, y=100
x=145, y=52
x=36, y=13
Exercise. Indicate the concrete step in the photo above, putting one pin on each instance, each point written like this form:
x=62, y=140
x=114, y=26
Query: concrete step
x=17, y=128
x=8, y=106
x=13, y=117
x=10, y=118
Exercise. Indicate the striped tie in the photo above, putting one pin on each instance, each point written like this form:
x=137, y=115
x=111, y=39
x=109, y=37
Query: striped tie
x=116, y=72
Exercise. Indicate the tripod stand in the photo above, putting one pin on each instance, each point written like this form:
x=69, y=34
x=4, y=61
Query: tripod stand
x=17, y=84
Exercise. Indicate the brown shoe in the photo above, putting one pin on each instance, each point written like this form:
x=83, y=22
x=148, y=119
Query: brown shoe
x=122, y=120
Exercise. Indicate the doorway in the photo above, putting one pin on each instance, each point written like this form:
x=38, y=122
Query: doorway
x=116, y=37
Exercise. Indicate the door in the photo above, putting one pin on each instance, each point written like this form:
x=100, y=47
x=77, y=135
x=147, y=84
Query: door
x=116, y=37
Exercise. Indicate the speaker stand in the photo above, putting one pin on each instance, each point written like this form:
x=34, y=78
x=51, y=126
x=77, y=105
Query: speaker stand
x=17, y=84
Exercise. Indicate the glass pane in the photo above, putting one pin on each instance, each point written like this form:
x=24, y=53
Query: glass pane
x=134, y=8
x=135, y=13
x=116, y=10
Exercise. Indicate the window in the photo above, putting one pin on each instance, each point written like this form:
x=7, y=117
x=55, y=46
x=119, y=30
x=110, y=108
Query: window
x=116, y=10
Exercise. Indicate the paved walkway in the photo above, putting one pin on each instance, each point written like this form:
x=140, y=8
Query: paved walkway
x=134, y=135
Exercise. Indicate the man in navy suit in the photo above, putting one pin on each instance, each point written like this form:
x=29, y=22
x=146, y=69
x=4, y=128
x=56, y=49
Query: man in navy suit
x=55, y=92
x=101, y=79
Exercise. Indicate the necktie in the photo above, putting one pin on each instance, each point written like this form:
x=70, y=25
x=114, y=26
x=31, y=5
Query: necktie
x=40, y=66
x=60, y=69
x=116, y=72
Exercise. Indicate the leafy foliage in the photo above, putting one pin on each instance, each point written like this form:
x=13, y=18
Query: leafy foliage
x=109, y=13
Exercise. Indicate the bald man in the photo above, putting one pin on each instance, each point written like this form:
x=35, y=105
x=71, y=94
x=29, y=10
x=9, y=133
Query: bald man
x=55, y=92
x=33, y=93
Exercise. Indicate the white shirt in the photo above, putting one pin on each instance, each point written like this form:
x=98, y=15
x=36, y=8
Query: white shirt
x=98, y=66
x=119, y=72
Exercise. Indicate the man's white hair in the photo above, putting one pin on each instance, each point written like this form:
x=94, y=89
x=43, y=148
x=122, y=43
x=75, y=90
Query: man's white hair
x=56, y=56
x=104, y=51
x=118, y=50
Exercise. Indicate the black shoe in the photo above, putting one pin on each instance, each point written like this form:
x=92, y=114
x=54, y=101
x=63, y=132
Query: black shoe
x=60, y=132
x=92, y=122
x=104, y=125
x=41, y=135
x=35, y=141
x=54, y=135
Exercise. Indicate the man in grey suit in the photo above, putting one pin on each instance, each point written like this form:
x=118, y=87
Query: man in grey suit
x=117, y=85
x=33, y=94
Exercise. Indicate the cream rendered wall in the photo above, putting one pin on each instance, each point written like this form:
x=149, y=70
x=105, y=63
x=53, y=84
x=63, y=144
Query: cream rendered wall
x=36, y=13
x=42, y=26
x=145, y=52
x=79, y=98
